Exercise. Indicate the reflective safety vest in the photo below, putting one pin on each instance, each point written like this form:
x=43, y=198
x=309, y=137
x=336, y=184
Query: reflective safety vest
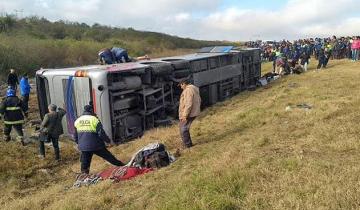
x=86, y=123
x=12, y=108
x=87, y=129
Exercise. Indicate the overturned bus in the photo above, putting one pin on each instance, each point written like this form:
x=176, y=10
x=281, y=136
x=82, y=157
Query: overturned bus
x=130, y=98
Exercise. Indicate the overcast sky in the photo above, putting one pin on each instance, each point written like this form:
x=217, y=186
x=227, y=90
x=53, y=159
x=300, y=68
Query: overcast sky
x=205, y=19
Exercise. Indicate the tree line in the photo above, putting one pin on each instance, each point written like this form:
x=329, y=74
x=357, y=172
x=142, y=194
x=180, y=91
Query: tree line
x=31, y=43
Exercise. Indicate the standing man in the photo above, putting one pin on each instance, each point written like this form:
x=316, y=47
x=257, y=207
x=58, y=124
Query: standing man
x=51, y=125
x=321, y=57
x=91, y=137
x=328, y=53
x=12, y=80
x=305, y=58
x=25, y=90
x=189, y=109
x=12, y=108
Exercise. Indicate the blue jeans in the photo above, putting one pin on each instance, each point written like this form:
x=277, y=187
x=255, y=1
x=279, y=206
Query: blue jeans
x=122, y=57
x=355, y=54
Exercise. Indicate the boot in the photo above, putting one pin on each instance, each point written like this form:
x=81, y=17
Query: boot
x=21, y=138
x=7, y=138
x=57, y=155
x=85, y=171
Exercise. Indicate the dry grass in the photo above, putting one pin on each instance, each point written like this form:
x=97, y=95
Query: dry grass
x=249, y=153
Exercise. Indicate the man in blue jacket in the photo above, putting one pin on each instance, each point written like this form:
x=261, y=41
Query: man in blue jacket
x=120, y=55
x=91, y=137
x=25, y=90
x=106, y=56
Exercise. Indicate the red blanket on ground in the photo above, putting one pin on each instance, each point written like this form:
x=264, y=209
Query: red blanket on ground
x=123, y=172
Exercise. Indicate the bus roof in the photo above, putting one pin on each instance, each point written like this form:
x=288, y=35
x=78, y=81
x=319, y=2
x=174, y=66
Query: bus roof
x=122, y=67
x=192, y=57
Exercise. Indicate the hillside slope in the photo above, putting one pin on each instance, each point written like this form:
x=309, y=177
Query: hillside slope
x=250, y=153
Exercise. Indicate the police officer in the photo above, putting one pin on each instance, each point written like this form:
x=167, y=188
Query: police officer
x=13, y=108
x=91, y=137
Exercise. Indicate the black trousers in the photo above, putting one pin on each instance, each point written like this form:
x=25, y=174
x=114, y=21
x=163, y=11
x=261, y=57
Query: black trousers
x=86, y=156
x=17, y=127
x=321, y=63
x=55, y=143
x=326, y=61
x=185, y=131
x=25, y=100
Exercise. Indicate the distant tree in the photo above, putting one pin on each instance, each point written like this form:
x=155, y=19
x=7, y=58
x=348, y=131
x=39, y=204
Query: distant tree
x=58, y=30
x=7, y=22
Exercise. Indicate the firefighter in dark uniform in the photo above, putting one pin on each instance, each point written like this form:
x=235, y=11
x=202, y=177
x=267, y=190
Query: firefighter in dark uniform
x=12, y=109
x=91, y=137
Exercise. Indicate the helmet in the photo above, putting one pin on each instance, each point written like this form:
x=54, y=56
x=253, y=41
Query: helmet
x=10, y=92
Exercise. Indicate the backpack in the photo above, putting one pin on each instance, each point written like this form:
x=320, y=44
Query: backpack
x=153, y=155
x=157, y=160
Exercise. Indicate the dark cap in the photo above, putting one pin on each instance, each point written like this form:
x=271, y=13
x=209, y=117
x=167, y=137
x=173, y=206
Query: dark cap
x=88, y=108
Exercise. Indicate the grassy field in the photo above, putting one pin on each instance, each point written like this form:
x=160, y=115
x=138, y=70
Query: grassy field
x=250, y=153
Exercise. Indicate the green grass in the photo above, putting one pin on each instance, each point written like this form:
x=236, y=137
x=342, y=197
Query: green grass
x=249, y=153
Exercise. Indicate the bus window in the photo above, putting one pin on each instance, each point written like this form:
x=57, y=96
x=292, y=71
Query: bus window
x=43, y=94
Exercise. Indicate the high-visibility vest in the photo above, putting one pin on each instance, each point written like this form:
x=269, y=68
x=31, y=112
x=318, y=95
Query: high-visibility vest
x=86, y=124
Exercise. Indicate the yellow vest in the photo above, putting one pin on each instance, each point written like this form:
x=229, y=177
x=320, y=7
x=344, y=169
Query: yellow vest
x=86, y=123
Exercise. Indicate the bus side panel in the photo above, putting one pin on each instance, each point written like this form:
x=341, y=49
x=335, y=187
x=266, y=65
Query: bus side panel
x=62, y=94
x=100, y=98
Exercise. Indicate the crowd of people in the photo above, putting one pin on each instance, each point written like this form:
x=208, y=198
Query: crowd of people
x=343, y=47
x=287, y=55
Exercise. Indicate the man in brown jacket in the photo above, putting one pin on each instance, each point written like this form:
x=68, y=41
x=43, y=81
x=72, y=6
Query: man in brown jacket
x=189, y=109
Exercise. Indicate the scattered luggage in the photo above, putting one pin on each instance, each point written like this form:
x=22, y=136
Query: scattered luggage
x=148, y=158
